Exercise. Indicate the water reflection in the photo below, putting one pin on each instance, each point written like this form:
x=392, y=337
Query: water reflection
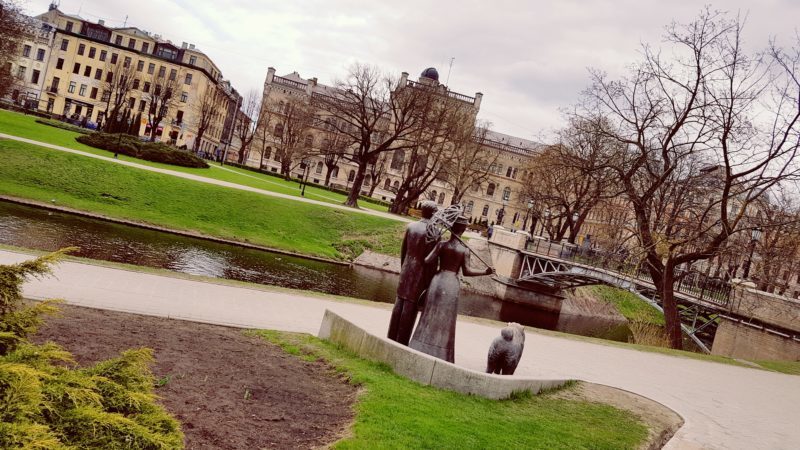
x=39, y=229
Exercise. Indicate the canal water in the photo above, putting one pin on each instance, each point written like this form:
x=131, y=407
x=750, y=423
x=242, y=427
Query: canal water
x=34, y=228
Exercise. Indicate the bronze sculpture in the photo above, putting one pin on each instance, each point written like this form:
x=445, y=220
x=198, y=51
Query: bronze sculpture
x=414, y=275
x=506, y=350
x=436, y=331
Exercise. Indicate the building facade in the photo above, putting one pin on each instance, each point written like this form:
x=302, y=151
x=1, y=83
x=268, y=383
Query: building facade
x=81, y=70
x=497, y=200
x=31, y=65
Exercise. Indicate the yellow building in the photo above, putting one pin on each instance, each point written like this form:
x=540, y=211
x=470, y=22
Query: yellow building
x=80, y=78
x=501, y=192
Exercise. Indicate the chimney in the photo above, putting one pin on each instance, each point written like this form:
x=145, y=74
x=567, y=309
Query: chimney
x=403, y=79
x=191, y=46
x=101, y=22
x=478, y=98
x=312, y=83
x=184, y=45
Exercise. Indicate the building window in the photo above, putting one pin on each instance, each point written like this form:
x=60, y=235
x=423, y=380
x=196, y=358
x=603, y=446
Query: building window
x=98, y=74
x=54, y=84
x=173, y=74
x=131, y=102
x=60, y=63
x=76, y=69
x=319, y=167
x=184, y=97
x=145, y=47
x=21, y=71
x=179, y=117
x=118, y=40
x=93, y=94
x=278, y=132
x=507, y=194
x=485, y=211
x=398, y=158
x=441, y=199
x=106, y=96
x=136, y=83
x=64, y=44
x=508, y=172
x=468, y=208
x=139, y=65
x=69, y=27
x=387, y=185
x=188, y=79
x=113, y=58
x=351, y=176
x=87, y=71
x=126, y=62
x=71, y=88
x=151, y=68
x=26, y=51
x=109, y=76
x=40, y=54
x=142, y=105
x=103, y=54
x=82, y=90
x=132, y=43
x=35, y=77
x=309, y=141
x=146, y=87
x=81, y=49
x=192, y=60
x=162, y=71
x=92, y=52
x=490, y=190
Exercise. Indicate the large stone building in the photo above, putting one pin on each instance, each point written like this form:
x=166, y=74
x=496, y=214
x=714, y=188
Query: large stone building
x=72, y=76
x=30, y=67
x=497, y=200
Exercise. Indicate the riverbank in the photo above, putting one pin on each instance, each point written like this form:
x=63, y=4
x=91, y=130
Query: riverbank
x=112, y=190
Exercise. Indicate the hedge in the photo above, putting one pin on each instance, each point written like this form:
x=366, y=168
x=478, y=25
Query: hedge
x=148, y=151
x=63, y=126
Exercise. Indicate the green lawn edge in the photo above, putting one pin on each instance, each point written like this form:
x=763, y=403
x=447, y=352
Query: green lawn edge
x=393, y=412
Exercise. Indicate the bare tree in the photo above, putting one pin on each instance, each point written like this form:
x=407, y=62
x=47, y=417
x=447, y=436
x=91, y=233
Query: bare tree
x=375, y=171
x=208, y=111
x=262, y=134
x=570, y=178
x=470, y=160
x=332, y=149
x=245, y=127
x=375, y=113
x=161, y=97
x=117, y=86
x=291, y=126
x=778, y=249
x=12, y=32
x=703, y=133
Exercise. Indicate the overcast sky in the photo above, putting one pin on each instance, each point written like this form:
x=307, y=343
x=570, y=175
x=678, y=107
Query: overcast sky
x=529, y=58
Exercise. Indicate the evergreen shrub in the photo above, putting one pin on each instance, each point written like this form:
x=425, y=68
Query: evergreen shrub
x=47, y=402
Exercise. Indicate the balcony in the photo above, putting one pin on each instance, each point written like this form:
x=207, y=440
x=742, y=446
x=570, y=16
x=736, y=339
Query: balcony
x=289, y=83
x=53, y=89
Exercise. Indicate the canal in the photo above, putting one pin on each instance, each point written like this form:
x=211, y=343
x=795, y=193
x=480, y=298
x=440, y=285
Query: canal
x=40, y=229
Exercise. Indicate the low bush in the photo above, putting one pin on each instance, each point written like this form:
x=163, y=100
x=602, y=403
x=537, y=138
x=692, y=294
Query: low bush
x=148, y=151
x=63, y=126
x=45, y=402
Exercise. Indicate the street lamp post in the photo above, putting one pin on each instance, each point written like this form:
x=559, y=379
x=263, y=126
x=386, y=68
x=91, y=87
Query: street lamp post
x=755, y=236
x=574, y=227
x=304, y=178
x=501, y=213
x=545, y=222
x=527, y=214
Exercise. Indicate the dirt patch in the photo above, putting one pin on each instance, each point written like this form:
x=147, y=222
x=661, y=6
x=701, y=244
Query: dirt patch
x=228, y=390
x=662, y=422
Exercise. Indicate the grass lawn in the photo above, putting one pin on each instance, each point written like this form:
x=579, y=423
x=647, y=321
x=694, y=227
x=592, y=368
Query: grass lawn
x=787, y=367
x=21, y=125
x=628, y=304
x=394, y=412
x=87, y=184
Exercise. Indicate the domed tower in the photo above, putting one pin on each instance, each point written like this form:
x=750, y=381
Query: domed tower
x=429, y=76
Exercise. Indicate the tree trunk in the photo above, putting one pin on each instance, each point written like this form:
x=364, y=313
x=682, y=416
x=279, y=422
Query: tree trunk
x=261, y=160
x=372, y=187
x=457, y=194
x=328, y=176
x=198, y=139
x=355, y=190
x=672, y=319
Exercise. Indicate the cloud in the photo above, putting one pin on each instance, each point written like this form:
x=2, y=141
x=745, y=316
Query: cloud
x=529, y=58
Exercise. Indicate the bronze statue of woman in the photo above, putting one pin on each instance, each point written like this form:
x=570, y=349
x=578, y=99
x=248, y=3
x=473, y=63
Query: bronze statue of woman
x=436, y=332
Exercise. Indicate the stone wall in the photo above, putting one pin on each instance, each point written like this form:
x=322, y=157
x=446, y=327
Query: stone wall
x=769, y=308
x=740, y=340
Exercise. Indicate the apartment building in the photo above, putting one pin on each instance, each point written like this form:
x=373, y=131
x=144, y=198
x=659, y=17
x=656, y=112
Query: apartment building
x=31, y=65
x=75, y=62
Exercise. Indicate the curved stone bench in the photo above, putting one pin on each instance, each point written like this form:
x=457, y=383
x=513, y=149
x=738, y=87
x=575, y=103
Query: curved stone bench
x=426, y=369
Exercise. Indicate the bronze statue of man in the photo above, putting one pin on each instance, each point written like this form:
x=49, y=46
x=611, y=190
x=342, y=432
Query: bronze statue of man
x=414, y=275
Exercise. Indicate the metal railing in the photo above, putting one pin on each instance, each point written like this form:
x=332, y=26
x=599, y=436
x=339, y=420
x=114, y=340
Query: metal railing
x=690, y=282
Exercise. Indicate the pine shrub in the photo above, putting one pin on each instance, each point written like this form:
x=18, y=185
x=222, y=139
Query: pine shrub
x=148, y=151
x=46, y=402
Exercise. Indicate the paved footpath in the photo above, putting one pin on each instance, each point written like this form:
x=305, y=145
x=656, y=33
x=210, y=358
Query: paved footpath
x=203, y=179
x=725, y=407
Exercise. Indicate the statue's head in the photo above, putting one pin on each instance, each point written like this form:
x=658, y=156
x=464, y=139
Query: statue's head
x=428, y=209
x=460, y=225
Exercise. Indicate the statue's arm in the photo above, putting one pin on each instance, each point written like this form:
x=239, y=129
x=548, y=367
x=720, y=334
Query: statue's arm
x=403, y=248
x=468, y=272
x=434, y=254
